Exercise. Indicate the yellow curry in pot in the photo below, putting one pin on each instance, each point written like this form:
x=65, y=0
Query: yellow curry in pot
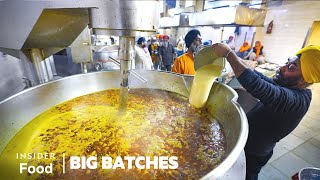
x=156, y=123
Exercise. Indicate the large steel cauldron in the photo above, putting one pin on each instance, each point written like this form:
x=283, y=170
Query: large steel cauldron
x=18, y=110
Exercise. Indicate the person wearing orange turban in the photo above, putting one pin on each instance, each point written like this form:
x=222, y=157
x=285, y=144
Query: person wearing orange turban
x=244, y=50
x=283, y=101
x=256, y=53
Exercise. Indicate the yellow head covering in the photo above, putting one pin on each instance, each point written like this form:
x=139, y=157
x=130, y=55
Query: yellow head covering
x=310, y=63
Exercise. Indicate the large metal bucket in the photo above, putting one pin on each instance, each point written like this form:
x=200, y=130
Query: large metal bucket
x=18, y=110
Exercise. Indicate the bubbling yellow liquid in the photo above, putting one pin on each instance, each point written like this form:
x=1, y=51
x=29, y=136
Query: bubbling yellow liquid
x=202, y=83
x=156, y=123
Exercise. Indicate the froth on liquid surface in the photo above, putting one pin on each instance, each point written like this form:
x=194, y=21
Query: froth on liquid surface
x=157, y=123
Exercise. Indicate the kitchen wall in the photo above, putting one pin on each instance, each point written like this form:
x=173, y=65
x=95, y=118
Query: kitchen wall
x=291, y=22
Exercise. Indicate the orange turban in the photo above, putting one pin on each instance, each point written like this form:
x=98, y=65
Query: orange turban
x=310, y=63
x=244, y=48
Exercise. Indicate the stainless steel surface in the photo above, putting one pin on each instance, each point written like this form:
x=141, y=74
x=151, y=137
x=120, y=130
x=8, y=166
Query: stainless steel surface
x=54, y=25
x=125, y=18
x=237, y=170
x=19, y=19
x=11, y=73
x=239, y=15
x=126, y=54
x=142, y=79
x=81, y=47
x=138, y=76
x=16, y=111
x=84, y=67
x=27, y=82
x=28, y=68
x=57, y=28
x=246, y=100
x=49, y=68
x=102, y=60
x=51, y=26
x=37, y=57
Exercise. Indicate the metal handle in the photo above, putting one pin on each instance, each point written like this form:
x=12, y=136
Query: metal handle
x=138, y=76
x=114, y=61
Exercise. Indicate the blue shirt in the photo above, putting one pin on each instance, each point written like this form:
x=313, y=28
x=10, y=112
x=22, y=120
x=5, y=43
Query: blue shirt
x=276, y=115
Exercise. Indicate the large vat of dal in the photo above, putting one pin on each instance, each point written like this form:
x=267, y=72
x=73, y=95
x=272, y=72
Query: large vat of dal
x=68, y=118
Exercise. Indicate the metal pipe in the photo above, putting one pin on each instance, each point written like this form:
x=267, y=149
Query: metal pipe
x=84, y=67
x=126, y=54
x=37, y=57
x=138, y=76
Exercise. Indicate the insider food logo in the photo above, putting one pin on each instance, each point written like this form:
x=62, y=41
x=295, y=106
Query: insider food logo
x=91, y=162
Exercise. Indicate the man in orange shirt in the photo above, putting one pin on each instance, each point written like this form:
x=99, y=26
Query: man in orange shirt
x=184, y=64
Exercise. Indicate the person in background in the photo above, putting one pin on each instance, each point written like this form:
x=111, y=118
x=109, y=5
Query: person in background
x=284, y=100
x=184, y=64
x=231, y=43
x=244, y=50
x=149, y=42
x=142, y=55
x=180, y=45
x=160, y=40
x=154, y=52
x=256, y=53
x=166, y=53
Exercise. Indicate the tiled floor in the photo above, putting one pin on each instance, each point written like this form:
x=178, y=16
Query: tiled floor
x=299, y=149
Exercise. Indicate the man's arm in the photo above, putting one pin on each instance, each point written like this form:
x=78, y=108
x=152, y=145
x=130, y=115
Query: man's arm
x=264, y=77
x=237, y=65
x=281, y=99
x=268, y=93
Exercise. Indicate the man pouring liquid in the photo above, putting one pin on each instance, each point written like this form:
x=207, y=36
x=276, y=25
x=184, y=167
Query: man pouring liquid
x=284, y=100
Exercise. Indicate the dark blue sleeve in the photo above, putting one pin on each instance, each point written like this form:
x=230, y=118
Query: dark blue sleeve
x=277, y=97
x=264, y=77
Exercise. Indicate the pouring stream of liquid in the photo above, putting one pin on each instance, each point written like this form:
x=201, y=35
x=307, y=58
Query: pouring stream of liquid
x=202, y=83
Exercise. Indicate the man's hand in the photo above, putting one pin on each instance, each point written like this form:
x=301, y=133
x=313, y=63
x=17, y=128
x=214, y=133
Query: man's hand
x=221, y=49
x=235, y=62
